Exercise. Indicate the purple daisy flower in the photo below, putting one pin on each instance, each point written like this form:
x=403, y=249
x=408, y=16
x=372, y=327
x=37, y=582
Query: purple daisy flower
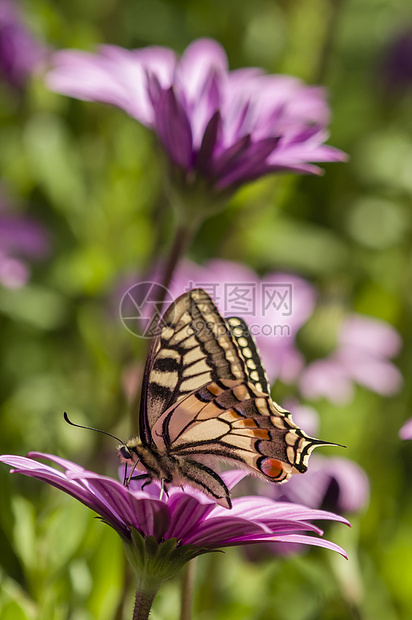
x=406, y=430
x=184, y=514
x=20, y=54
x=161, y=534
x=225, y=127
x=20, y=237
x=365, y=345
x=333, y=482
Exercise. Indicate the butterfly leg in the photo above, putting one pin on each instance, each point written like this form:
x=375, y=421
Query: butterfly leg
x=141, y=477
x=146, y=477
x=130, y=477
x=163, y=488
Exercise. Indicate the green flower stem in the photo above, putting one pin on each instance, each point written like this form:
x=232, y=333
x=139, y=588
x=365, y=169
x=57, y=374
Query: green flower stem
x=333, y=18
x=153, y=563
x=187, y=590
x=184, y=235
x=145, y=595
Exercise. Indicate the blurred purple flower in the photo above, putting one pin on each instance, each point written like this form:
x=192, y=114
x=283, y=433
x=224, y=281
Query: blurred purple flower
x=20, y=54
x=406, y=430
x=395, y=70
x=365, y=345
x=228, y=127
x=334, y=483
x=186, y=515
x=275, y=307
x=20, y=237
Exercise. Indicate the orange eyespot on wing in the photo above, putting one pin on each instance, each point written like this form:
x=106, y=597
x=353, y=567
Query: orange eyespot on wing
x=271, y=468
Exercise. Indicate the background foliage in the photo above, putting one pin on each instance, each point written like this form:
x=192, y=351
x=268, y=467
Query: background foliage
x=92, y=176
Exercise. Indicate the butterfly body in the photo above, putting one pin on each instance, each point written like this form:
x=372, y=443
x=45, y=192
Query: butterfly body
x=177, y=471
x=205, y=398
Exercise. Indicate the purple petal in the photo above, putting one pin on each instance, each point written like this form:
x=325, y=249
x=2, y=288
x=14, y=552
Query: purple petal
x=255, y=507
x=233, y=477
x=151, y=517
x=201, y=58
x=380, y=376
x=23, y=236
x=113, y=75
x=371, y=335
x=212, y=532
x=208, y=144
x=290, y=167
x=174, y=129
x=406, y=430
x=310, y=540
x=58, y=479
x=230, y=155
x=250, y=165
x=352, y=482
x=202, y=110
x=284, y=528
x=326, y=378
x=13, y=272
x=20, y=54
x=69, y=465
x=186, y=513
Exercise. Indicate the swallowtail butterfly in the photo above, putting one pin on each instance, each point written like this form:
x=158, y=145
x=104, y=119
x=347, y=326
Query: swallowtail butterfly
x=206, y=397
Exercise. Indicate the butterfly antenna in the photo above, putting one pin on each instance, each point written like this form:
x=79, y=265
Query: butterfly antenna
x=89, y=428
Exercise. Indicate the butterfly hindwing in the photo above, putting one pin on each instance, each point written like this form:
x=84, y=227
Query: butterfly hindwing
x=249, y=351
x=193, y=348
x=235, y=421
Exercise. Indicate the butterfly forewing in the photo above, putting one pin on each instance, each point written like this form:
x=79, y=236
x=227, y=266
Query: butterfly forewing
x=193, y=348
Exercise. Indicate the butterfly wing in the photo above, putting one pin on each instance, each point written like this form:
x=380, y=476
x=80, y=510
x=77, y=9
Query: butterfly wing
x=193, y=348
x=233, y=420
x=250, y=354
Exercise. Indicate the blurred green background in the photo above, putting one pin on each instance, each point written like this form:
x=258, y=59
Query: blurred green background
x=91, y=175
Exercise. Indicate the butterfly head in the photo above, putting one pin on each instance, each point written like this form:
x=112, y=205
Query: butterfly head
x=129, y=452
x=124, y=453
